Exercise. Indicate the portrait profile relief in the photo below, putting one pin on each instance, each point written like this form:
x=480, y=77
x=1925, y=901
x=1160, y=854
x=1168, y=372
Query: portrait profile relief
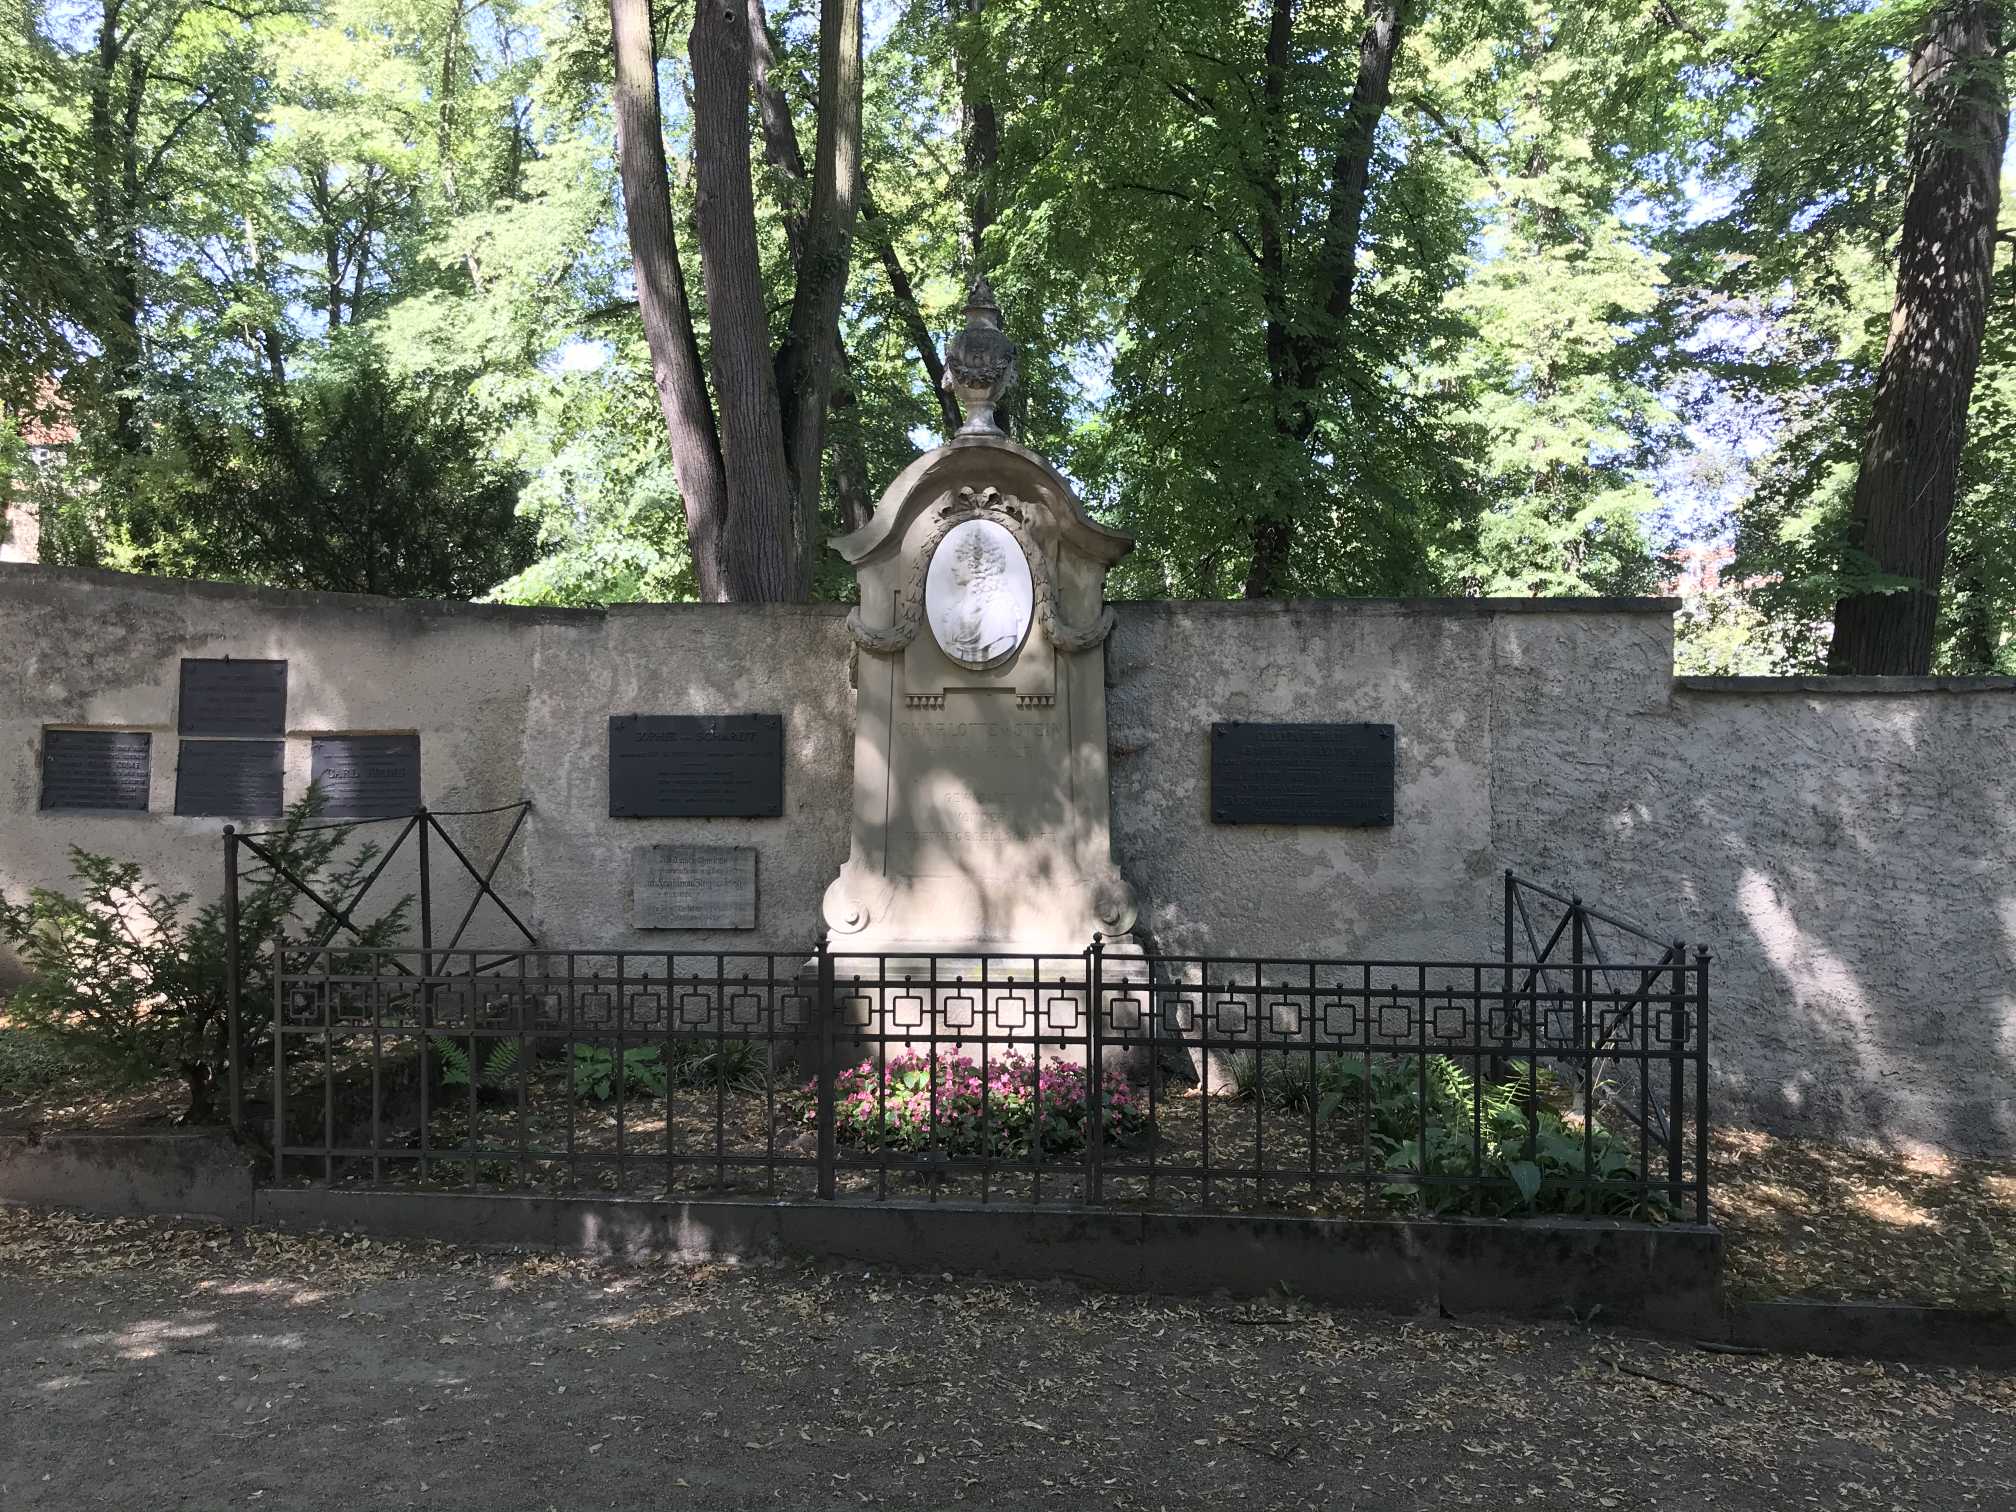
x=978, y=594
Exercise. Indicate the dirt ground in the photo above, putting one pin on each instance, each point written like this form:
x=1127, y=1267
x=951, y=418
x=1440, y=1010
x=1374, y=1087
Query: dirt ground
x=144, y=1365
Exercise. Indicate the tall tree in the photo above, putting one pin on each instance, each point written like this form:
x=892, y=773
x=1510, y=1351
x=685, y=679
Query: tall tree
x=661, y=297
x=1303, y=339
x=769, y=420
x=809, y=368
x=1910, y=470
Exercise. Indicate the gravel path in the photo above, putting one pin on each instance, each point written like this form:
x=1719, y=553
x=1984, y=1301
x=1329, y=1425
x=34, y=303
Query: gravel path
x=156, y=1365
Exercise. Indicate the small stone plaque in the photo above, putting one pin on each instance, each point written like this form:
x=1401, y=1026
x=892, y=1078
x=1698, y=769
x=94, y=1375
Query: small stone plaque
x=225, y=696
x=1337, y=774
x=366, y=776
x=694, y=887
x=228, y=779
x=696, y=766
x=96, y=769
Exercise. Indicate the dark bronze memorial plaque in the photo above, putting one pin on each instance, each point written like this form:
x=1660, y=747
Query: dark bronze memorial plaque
x=1302, y=774
x=228, y=779
x=366, y=776
x=696, y=766
x=96, y=769
x=228, y=697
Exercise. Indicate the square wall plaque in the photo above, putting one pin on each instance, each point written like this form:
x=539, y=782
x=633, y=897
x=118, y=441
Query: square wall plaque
x=366, y=776
x=84, y=770
x=229, y=779
x=696, y=766
x=225, y=696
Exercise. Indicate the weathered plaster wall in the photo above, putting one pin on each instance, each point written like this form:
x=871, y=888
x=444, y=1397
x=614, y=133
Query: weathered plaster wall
x=509, y=703
x=1845, y=848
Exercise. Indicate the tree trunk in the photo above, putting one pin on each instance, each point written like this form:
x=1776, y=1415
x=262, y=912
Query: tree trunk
x=811, y=369
x=780, y=137
x=115, y=221
x=1351, y=169
x=981, y=125
x=1299, y=350
x=1918, y=424
x=914, y=323
x=1274, y=529
x=760, y=554
x=850, y=467
x=661, y=299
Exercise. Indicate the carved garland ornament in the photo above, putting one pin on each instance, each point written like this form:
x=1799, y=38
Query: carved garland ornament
x=1012, y=515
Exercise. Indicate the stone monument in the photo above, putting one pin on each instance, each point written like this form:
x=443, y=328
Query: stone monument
x=981, y=797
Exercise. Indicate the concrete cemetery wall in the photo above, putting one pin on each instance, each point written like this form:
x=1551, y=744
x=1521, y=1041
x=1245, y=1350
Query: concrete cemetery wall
x=1845, y=847
x=509, y=703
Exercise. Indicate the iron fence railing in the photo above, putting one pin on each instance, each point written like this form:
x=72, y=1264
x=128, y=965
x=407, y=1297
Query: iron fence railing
x=250, y=853
x=1102, y=1076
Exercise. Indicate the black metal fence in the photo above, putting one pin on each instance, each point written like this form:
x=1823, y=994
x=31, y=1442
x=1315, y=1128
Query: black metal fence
x=271, y=855
x=1570, y=1079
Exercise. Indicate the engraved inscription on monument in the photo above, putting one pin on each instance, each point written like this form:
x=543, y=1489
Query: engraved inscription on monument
x=694, y=887
x=978, y=594
x=986, y=796
x=96, y=769
x=228, y=779
x=696, y=766
x=1339, y=774
x=366, y=776
x=224, y=696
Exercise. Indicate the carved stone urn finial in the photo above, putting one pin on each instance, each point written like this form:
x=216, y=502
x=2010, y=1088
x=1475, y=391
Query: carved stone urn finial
x=980, y=363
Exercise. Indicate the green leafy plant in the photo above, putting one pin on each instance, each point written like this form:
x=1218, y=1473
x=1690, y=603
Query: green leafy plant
x=1460, y=1128
x=123, y=976
x=31, y=1062
x=500, y=1065
x=738, y=1064
x=596, y=1072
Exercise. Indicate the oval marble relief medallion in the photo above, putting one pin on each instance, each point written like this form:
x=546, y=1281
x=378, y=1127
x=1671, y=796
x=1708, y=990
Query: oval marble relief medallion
x=978, y=595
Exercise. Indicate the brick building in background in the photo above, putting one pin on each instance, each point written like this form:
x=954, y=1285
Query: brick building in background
x=48, y=434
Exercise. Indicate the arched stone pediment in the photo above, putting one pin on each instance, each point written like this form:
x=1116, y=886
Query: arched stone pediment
x=980, y=462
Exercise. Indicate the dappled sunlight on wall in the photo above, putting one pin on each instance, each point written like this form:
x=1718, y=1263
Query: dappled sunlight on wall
x=1844, y=851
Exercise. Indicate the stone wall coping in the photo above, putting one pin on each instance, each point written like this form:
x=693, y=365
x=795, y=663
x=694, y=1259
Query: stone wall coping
x=1845, y=685
x=22, y=579
x=1423, y=606
x=25, y=577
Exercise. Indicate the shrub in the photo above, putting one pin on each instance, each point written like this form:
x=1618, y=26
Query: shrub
x=31, y=1062
x=891, y=1107
x=741, y=1065
x=123, y=977
x=1437, y=1141
x=598, y=1074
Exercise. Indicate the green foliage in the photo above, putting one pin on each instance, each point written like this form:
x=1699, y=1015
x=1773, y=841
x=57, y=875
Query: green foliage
x=32, y=1062
x=738, y=1064
x=500, y=1063
x=597, y=1073
x=361, y=311
x=1430, y=1118
x=350, y=481
x=121, y=974
x=46, y=286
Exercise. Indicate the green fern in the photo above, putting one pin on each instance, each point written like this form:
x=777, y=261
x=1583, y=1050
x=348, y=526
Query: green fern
x=499, y=1066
